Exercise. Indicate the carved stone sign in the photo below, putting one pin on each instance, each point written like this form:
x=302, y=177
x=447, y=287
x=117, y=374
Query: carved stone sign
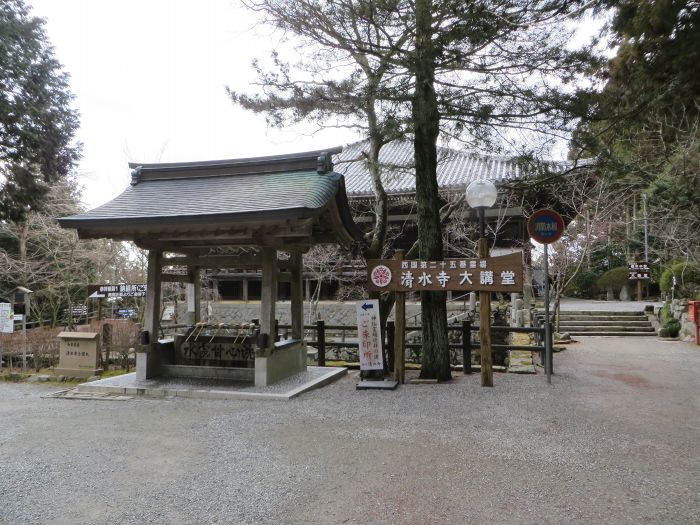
x=78, y=354
x=492, y=274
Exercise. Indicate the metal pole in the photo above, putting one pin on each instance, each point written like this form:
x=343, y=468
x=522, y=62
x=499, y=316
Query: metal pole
x=547, y=325
x=646, y=228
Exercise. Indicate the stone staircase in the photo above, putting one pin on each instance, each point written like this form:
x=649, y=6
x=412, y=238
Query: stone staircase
x=629, y=323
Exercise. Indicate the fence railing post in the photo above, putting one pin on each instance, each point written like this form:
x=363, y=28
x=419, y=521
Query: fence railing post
x=466, y=347
x=541, y=339
x=390, y=338
x=550, y=364
x=321, y=340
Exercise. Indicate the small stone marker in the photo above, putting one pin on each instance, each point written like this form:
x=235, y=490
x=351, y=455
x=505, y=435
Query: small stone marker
x=79, y=354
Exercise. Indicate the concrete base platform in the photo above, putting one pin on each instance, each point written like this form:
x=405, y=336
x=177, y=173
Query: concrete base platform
x=377, y=385
x=291, y=387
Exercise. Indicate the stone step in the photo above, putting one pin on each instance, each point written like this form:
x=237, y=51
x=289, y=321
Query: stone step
x=592, y=318
x=607, y=322
x=620, y=334
x=603, y=312
x=607, y=328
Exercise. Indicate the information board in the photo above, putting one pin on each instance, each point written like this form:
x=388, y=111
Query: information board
x=6, y=318
x=369, y=335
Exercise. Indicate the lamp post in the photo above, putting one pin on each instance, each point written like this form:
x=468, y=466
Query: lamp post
x=482, y=194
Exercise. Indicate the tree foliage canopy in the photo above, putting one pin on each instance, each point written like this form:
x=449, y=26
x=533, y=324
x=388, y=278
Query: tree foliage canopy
x=37, y=124
x=647, y=133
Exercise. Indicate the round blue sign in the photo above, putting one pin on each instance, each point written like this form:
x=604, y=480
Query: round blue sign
x=545, y=226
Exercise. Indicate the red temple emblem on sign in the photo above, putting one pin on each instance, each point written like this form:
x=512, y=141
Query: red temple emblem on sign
x=381, y=276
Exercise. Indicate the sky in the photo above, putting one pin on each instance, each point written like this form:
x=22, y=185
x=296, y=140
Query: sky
x=149, y=80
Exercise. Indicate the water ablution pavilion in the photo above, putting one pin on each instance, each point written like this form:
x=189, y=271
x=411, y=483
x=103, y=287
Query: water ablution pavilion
x=261, y=213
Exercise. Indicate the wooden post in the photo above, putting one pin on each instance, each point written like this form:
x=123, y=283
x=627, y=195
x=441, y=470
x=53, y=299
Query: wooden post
x=466, y=347
x=485, y=325
x=106, y=343
x=399, y=331
x=194, y=295
x=268, y=297
x=297, y=285
x=321, y=342
x=151, y=321
x=639, y=289
x=197, y=283
x=390, y=348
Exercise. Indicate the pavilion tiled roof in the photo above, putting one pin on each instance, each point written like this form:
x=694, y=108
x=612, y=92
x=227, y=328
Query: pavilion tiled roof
x=219, y=196
x=456, y=169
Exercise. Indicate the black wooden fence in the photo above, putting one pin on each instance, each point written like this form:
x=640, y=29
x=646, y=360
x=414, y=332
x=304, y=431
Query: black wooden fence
x=321, y=342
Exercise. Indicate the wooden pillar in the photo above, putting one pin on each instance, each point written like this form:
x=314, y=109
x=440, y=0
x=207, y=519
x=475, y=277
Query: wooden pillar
x=297, y=303
x=307, y=289
x=485, y=325
x=194, y=295
x=245, y=289
x=400, y=331
x=148, y=361
x=151, y=320
x=268, y=297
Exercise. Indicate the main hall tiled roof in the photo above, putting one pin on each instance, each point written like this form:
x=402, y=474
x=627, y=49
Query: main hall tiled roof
x=456, y=169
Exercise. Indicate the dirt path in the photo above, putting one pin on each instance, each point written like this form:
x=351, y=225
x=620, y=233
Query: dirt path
x=613, y=440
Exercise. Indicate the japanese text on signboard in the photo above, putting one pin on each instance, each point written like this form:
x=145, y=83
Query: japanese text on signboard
x=496, y=274
x=639, y=271
x=369, y=335
x=99, y=291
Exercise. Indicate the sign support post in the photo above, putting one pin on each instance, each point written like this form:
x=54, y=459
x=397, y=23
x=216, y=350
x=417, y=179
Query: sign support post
x=547, y=324
x=485, y=325
x=546, y=226
x=399, y=331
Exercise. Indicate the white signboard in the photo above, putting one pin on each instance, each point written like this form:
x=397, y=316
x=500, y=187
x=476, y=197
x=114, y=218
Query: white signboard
x=369, y=335
x=6, y=318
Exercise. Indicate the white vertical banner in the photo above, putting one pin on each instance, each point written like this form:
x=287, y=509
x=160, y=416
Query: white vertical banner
x=6, y=318
x=190, y=297
x=369, y=335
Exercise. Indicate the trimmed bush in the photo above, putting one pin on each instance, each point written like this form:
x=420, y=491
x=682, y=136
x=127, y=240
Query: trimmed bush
x=614, y=279
x=673, y=326
x=687, y=279
x=585, y=284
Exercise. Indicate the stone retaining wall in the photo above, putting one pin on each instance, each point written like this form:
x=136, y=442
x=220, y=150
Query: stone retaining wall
x=334, y=313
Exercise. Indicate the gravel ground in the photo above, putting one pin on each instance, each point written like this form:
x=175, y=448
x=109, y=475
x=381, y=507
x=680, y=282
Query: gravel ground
x=613, y=440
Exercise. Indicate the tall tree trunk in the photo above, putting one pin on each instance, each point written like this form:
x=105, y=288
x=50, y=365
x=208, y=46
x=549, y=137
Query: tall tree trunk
x=426, y=121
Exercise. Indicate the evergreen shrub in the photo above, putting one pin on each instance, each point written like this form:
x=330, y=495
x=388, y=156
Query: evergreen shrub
x=615, y=278
x=687, y=279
